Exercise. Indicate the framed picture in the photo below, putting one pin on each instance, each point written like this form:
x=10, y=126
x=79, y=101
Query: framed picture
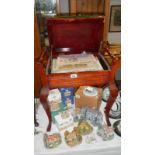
x=115, y=18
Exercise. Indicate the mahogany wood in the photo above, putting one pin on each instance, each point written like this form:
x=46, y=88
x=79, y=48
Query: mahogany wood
x=75, y=34
x=43, y=99
x=37, y=52
x=35, y=120
x=113, y=89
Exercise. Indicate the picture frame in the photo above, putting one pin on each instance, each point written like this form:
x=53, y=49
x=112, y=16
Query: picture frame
x=115, y=18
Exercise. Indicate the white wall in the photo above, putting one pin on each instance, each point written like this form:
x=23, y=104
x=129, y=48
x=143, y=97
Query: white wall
x=114, y=37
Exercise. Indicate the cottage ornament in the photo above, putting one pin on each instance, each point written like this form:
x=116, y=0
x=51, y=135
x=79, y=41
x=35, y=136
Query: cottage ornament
x=91, y=139
x=106, y=132
x=52, y=141
x=84, y=127
x=73, y=138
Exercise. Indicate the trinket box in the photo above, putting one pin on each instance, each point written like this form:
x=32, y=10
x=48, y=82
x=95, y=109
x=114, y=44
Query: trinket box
x=73, y=138
x=87, y=96
x=84, y=127
x=52, y=141
x=106, y=132
x=67, y=96
x=64, y=120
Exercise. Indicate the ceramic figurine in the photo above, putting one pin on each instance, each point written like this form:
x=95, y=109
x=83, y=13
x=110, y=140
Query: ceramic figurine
x=95, y=117
x=76, y=113
x=84, y=127
x=91, y=115
x=99, y=119
x=106, y=132
x=73, y=138
x=83, y=113
x=52, y=141
x=90, y=139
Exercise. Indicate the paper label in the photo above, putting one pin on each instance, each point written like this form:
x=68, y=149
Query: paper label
x=73, y=76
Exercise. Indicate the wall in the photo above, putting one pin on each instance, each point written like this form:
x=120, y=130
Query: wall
x=114, y=37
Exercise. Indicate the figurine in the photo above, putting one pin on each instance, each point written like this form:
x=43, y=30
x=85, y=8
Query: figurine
x=95, y=117
x=54, y=100
x=76, y=114
x=91, y=115
x=99, y=119
x=83, y=113
x=106, y=132
x=73, y=138
x=90, y=139
x=84, y=127
x=52, y=141
x=64, y=120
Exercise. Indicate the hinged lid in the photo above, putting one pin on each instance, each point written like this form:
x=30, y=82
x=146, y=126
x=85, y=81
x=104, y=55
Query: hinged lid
x=75, y=34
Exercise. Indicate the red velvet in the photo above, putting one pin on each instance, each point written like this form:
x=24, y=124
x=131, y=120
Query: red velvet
x=76, y=34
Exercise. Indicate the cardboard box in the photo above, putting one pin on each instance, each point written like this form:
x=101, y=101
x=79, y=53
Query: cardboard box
x=91, y=99
x=54, y=99
x=67, y=96
x=64, y=120
x=54, y=113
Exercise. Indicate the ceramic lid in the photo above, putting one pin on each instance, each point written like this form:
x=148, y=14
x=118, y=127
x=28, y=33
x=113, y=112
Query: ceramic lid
x=75, y=34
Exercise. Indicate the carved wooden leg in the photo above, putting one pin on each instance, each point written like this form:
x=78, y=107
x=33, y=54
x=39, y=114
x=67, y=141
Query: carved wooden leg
x=110, y=102
x=43, y=100
x=35, y=120
x=113, y=90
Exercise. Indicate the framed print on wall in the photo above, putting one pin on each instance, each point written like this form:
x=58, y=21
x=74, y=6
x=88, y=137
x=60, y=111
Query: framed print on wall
x=115, y=18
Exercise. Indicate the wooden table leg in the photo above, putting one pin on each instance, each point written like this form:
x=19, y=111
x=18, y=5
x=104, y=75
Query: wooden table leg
x=35, y=120
x=113, y=90
x=110, y=102
x=43, y=100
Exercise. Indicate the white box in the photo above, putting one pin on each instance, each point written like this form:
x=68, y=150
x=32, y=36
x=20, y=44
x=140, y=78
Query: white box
x=54, y=99
x=64, y=120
